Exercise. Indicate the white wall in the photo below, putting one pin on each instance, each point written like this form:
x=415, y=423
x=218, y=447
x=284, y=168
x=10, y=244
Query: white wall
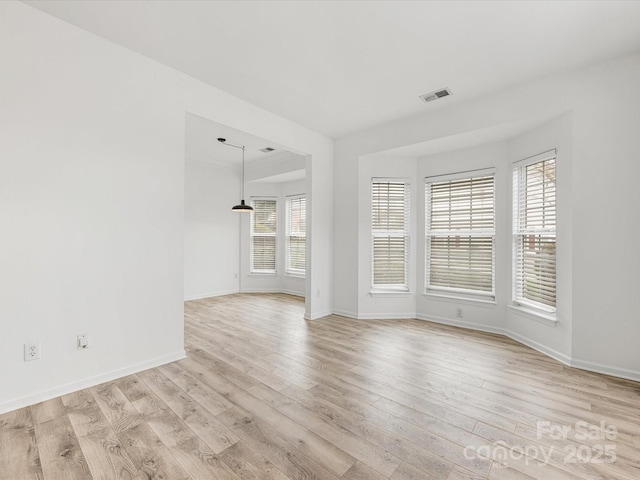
x=320, y=230
x=598, y=142
x=92, y=203
x=606, y=206
x=346, y=224
x=211, y=230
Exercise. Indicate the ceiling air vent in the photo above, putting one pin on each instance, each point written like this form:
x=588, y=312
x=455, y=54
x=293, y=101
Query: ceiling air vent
x=431, y=96
x=267, y=149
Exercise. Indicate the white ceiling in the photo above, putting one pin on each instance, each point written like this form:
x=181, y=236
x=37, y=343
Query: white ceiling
x=202, y=143
x=342, y=66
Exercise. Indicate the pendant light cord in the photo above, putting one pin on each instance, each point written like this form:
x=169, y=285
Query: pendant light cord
x=242, y=197
x=223, y=141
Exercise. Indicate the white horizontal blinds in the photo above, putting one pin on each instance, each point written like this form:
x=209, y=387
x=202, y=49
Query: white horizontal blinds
x=390, y=233
x=535, y=233
x=263, y=236
x=296, y=234
x=460, y=220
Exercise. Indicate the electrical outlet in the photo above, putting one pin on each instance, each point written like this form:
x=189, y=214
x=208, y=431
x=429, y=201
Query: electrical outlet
x=459, y=312
x=318, y=292
x=31, y=351
x=83, y=341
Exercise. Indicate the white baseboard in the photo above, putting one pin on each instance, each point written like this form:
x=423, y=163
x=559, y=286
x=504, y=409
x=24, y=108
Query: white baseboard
x=38, y=397
x=386, y=316
x=317, y=315
x=294, y=293
x=559, y=356
x=231, y=292
x=209, y=295
x=272, y=290
x=345, y=313
x=606, y=369
x=550, y=352
x=261, y=290
x=462, y=324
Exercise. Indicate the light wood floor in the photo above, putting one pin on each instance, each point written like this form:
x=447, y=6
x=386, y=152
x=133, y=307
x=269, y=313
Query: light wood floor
x=266, y=395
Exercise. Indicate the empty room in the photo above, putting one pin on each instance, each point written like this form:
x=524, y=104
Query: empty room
x=286, y=240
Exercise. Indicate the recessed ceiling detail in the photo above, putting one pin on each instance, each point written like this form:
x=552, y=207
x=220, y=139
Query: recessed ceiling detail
x=267, y=150
x=435, y=95
x=356, y=61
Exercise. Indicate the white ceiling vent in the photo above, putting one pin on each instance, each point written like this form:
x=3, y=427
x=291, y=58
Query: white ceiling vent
x=267, y=149
x=435, y=95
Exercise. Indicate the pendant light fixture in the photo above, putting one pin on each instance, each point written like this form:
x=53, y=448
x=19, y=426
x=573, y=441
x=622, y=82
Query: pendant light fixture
x=242, y=207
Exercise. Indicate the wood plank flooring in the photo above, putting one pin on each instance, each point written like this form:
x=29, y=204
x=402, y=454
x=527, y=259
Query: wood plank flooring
x=266, y=395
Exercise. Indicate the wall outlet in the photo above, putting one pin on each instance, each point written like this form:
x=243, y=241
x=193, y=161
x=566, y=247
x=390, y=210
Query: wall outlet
x=83, y=341
x=31, y=351
x=458, y=312
x=317, y=292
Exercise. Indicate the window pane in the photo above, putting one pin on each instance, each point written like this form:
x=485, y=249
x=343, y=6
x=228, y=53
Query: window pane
x=462, y=204
x=388, y=206
x=297, y=253
x=390, y=232
x=537, y=269
x=534, y=234
x=296, y=234
x=263, y=235
x=263, y=253
x=539, y=199
x=264, y=216
x=464, y=262
x=389, y=260
x=460, y=219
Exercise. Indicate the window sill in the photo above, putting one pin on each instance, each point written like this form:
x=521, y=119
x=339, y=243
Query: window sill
x=543, y=317
x=263, y=274
x=389, y=293
x=453, y=298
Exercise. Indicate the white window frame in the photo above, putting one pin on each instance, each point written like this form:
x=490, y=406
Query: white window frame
x=441, y=290
x=520, y=232
x=274, y=235
x=405, y=233
x=289, y=234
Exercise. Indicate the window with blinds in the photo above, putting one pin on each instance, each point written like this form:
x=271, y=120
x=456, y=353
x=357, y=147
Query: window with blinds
x=390, y=234
x=263, y=235
x=460, y=235
x=296, y=235
x=534, y=232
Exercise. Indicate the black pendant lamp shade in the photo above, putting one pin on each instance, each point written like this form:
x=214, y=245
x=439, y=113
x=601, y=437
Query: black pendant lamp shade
x=243, y=207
